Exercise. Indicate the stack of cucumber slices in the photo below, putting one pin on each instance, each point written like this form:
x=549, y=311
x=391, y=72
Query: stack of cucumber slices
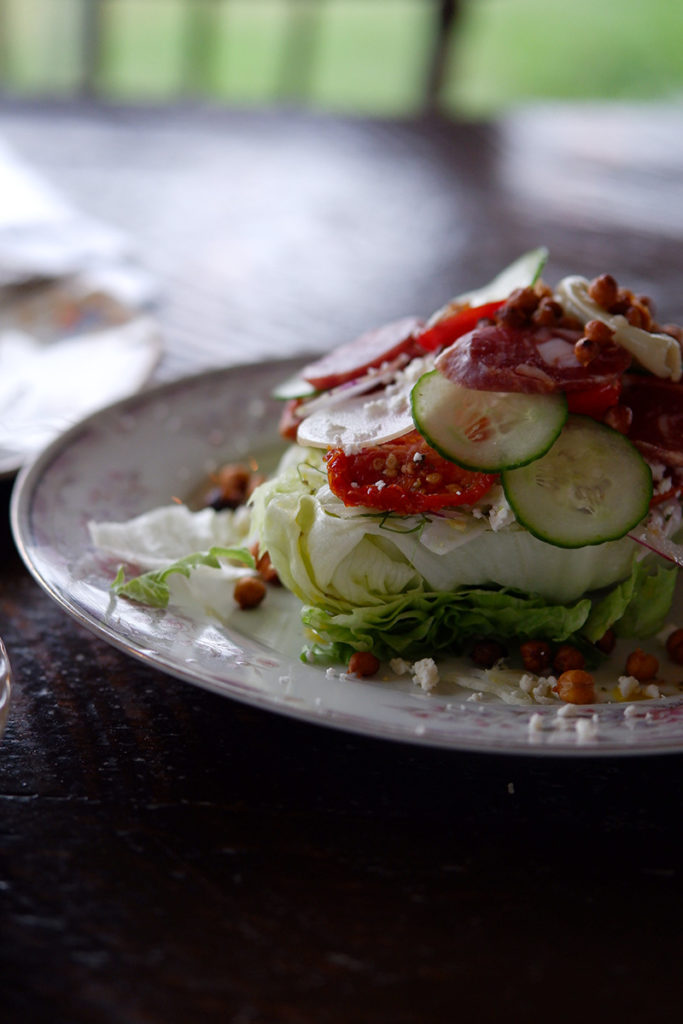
x=569, y=480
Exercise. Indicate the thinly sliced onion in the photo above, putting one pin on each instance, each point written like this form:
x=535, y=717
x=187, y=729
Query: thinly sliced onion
x=375, y=378
x=659, y=545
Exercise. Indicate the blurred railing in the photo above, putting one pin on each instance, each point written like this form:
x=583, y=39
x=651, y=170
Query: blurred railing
x=66, y=47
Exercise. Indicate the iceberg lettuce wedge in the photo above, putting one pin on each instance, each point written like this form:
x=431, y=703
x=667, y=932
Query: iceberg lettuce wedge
x=421, y=584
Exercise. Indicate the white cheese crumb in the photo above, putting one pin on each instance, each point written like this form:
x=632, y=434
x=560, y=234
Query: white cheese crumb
x=536, y=722
x=475, y=697
x=426, y=674
x=543, y=691
x=380, y=484
x=527, y=682
x=630, y=711
x=652, y=691
x=628, y=686
x=330, y=674
x=500, y=516
x=399, y=666
x=418, y=457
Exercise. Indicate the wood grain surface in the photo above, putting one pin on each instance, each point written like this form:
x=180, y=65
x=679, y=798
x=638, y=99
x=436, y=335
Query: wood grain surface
x=167, y=855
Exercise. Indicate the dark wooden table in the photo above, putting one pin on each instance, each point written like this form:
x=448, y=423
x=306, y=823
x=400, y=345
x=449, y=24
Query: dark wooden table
x=167, y=855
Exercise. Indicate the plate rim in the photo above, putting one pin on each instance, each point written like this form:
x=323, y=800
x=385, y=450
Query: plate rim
x=26, y=487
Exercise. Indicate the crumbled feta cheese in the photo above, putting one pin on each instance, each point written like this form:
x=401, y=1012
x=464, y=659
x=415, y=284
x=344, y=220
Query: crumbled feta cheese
x=397, y=404
x=630, y=711
x=652, y=691
x=377, y=407
x=500, y=516
x=399, y=666
x=426, y=674
x=628, y=686
x=543, y=691
x=536, y=723
x=418, y=457
x=527, y=682
x=380, y=484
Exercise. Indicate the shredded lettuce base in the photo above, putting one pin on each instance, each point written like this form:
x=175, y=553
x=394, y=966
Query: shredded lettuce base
x=372, y=582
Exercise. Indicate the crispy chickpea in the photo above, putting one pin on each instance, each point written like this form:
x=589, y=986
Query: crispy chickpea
x=674, y=331
x=519, y=307
x=548, y=313
x=249, y=592
x=643, y=667
x=567, y=658
x=586, y=351
x=575, y=687
x=603, y=290
x=363, y=663
x=537, y=656
x=674, y=646
x=638, y=315
x=486, y=653
x=264, y=566
x=606, y=642
x=599, y=332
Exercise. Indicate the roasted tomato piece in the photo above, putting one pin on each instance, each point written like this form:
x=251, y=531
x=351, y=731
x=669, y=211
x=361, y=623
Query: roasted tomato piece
x=452, y=326
x=362, y=354
x=404, y=476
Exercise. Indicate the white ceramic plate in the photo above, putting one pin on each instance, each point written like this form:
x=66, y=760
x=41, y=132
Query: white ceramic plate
x=5, y=687
x=66, y=349
x=151, y=448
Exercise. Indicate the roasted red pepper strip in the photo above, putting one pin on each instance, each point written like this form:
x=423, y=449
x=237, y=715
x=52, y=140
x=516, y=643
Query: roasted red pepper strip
x=448, y=329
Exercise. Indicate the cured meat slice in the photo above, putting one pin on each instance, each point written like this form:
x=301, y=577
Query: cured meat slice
x=503, y=358
x=657, y=425
x=358, y=356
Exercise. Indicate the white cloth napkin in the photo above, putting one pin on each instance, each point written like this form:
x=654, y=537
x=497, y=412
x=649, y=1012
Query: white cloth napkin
x=87, y=338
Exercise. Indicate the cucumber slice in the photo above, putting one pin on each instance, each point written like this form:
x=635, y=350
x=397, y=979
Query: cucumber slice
x=592, y=486
x=525, y=270
x=293, y=387
x=486, y=431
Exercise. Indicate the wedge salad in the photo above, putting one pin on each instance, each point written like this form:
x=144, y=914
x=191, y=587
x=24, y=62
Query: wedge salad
x=500, y=480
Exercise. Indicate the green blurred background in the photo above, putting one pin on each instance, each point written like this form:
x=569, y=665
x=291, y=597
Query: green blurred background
x=353, y=56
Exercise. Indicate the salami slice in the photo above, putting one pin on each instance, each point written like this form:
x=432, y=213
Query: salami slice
x=540, y=361
x=358, y=356
x=657, y=425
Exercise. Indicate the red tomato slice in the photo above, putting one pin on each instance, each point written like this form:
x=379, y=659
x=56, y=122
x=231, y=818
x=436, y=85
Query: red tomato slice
x=358, y=356
x=404, y=476
x=453, y=326
x=594, y=401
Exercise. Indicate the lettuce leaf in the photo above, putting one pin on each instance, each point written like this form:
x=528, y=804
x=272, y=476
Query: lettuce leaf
x=413, y=585
x=636, y=607
x=152, y=588
x=419, y=622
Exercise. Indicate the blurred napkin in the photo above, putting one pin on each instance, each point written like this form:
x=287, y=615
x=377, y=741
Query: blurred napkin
x=75, y=328
x=42, y=236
